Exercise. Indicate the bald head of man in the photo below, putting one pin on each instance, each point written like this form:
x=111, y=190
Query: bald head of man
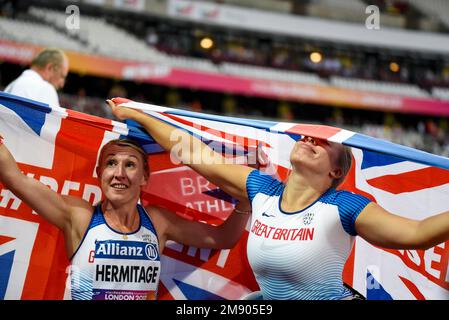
x=52, y=65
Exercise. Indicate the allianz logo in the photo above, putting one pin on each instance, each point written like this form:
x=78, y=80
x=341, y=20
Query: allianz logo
x=150, y=250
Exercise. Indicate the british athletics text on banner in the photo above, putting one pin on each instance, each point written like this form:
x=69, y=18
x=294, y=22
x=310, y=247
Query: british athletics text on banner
x=59, y=147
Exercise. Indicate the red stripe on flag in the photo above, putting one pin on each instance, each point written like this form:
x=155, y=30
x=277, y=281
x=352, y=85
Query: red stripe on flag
x=414, y=259
x=247, y=142
x=163, y=293
x=316, y=131
x=161, y=161
x=350, y=184
x=43, y=256
x=4, y=239
x=411, y=181
x=93, y=121
x=58, y=271
x=413, y=289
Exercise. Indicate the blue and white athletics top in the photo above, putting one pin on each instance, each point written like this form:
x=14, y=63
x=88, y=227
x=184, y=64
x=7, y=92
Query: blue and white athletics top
x=300, y=255
x=109, y=265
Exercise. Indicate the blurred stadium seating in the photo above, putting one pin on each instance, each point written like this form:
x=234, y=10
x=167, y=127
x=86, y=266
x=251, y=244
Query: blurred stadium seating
x=149, y=32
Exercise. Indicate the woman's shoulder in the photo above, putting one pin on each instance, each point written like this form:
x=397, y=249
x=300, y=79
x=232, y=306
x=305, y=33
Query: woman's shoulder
x=162, y=219
x=77, y=203
x=260, y=182
x=154, y=209
x=342, y=196
x=159, y=216
x=81, y=210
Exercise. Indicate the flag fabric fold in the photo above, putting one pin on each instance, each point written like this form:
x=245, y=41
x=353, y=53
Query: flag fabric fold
x=59, y=147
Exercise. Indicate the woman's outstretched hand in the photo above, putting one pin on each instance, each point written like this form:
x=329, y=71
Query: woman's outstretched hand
x=122, y=113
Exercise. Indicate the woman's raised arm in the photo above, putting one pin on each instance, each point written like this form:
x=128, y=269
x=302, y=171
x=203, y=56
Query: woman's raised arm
x=47, y=203
x=382, y=228
x=231, y=178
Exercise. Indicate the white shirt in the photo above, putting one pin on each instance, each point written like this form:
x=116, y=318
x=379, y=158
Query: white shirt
x=30, y=85
x=300, y=255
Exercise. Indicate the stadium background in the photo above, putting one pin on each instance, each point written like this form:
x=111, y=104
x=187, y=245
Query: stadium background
x=166, y=35
x=312, y=61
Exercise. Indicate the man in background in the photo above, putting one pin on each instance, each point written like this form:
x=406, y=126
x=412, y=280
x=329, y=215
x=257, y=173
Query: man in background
x=46, y=75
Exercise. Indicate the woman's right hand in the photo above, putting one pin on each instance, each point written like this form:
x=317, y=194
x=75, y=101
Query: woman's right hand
x=122, y=113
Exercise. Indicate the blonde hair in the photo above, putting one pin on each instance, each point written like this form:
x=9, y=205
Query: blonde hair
x=344, y=162
x=131, y=144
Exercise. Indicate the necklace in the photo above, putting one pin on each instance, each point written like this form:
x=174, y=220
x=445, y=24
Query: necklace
x=124, y=234
x=117, y=227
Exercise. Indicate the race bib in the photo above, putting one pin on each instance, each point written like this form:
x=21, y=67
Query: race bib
x=125, y=270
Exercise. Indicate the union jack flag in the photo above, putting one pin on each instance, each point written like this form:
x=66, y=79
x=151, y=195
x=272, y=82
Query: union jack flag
x=60, y=148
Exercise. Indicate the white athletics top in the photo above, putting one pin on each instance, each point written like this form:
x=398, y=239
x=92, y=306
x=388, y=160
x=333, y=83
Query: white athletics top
x=300, y=255
x=109, y=265
x=30, y=85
